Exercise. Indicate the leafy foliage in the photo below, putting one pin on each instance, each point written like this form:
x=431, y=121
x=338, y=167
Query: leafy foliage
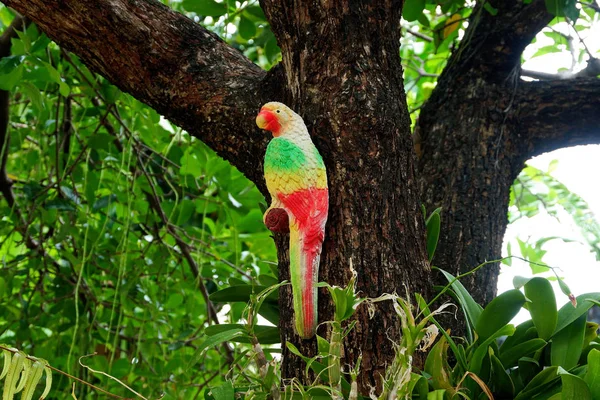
x=119, y=228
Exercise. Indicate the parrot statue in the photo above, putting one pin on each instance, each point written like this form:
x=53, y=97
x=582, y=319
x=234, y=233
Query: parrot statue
x=297, y=182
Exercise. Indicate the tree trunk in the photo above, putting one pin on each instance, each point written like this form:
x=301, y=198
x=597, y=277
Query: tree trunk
x=344, y=76
x=479, y=127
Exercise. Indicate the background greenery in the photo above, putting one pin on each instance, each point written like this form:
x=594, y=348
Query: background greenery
x=122, y=224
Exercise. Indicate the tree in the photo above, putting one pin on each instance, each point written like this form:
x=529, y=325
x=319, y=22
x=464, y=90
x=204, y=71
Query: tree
x=341, y=71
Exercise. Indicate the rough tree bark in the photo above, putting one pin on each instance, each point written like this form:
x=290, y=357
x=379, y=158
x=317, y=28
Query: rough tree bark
x=479, y=127
x=342, y=73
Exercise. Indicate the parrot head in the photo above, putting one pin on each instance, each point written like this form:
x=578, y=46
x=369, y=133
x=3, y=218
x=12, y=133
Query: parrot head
x=276, y=118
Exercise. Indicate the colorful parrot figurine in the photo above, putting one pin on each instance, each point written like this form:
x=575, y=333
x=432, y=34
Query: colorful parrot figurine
x=297, y=181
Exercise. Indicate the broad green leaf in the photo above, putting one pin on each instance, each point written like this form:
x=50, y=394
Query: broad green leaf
x=63, y=88
x=482, y=350
x=207, y=8
x=524, y=332
x=568, y=313
x=538, y=383
x=270, y=312
x=542, y=306
x=500, y=311
x=437, y=366
x=224, y=391
x=11, y=71
x=33, y=93
x=418, y=385
x=413, y=9
x=568, y=343
x=436, y=395
x=500, y=379
x=272, y=50
x=592, y=377
x=573, y=387
x=246, y=28
x=265, y=334
x=510, y=357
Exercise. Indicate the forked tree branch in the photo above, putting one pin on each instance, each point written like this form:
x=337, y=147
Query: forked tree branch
x=494, y=43
x=169, y=62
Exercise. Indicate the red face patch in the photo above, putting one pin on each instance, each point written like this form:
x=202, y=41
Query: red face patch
x=267, y=119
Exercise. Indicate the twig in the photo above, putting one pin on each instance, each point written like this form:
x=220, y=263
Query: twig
x=419, y=35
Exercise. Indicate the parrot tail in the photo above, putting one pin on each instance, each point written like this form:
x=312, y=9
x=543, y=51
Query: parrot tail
x=305, y=254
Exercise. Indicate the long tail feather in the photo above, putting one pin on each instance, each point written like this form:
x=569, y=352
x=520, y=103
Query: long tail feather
x=304, y=279
x=305, y=253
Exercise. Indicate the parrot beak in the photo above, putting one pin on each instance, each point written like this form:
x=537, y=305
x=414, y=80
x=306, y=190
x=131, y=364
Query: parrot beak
x=268, y=121
x=262, y=119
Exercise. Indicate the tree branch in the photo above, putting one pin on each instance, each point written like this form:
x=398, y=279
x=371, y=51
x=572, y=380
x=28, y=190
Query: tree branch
x=169, y=62
x=494, y=43
x=591, y=70
x=556, y=114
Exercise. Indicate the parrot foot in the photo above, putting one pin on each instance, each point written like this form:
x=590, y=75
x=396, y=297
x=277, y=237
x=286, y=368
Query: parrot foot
x=277, y=220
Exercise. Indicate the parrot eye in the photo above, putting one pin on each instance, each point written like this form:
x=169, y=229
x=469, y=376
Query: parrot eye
x=278, y=111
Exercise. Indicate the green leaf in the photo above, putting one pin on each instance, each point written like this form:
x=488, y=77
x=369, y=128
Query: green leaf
x=223, y=392
x=255, y=12
x=573, y=387
x=510, y=357
x=542, y=306
x=215, y=340
x=568, y=343
x=264, y=333
x=499, y=312
x=190, y=163
x=272, y=50
x=104, y=202
x=541, y=381
x=524, y=332
x=413, y=9
x=33, y=93
x=433, y=233
x=436, y=395
x=11, y=71
x=471, y=309
x=246, y=28
x=60, y=204
x=267, y=280
x=174, y=301
x=482, y=350
x=418, y=386
x=556, y=7
x=207, y=8
x=437, y=366
x=40, y=44
x=63, y=88
x=592, y=377
x=568, y=313
x=270, y=312
x=502, y=383
x=239, y=293
x=490, y=9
